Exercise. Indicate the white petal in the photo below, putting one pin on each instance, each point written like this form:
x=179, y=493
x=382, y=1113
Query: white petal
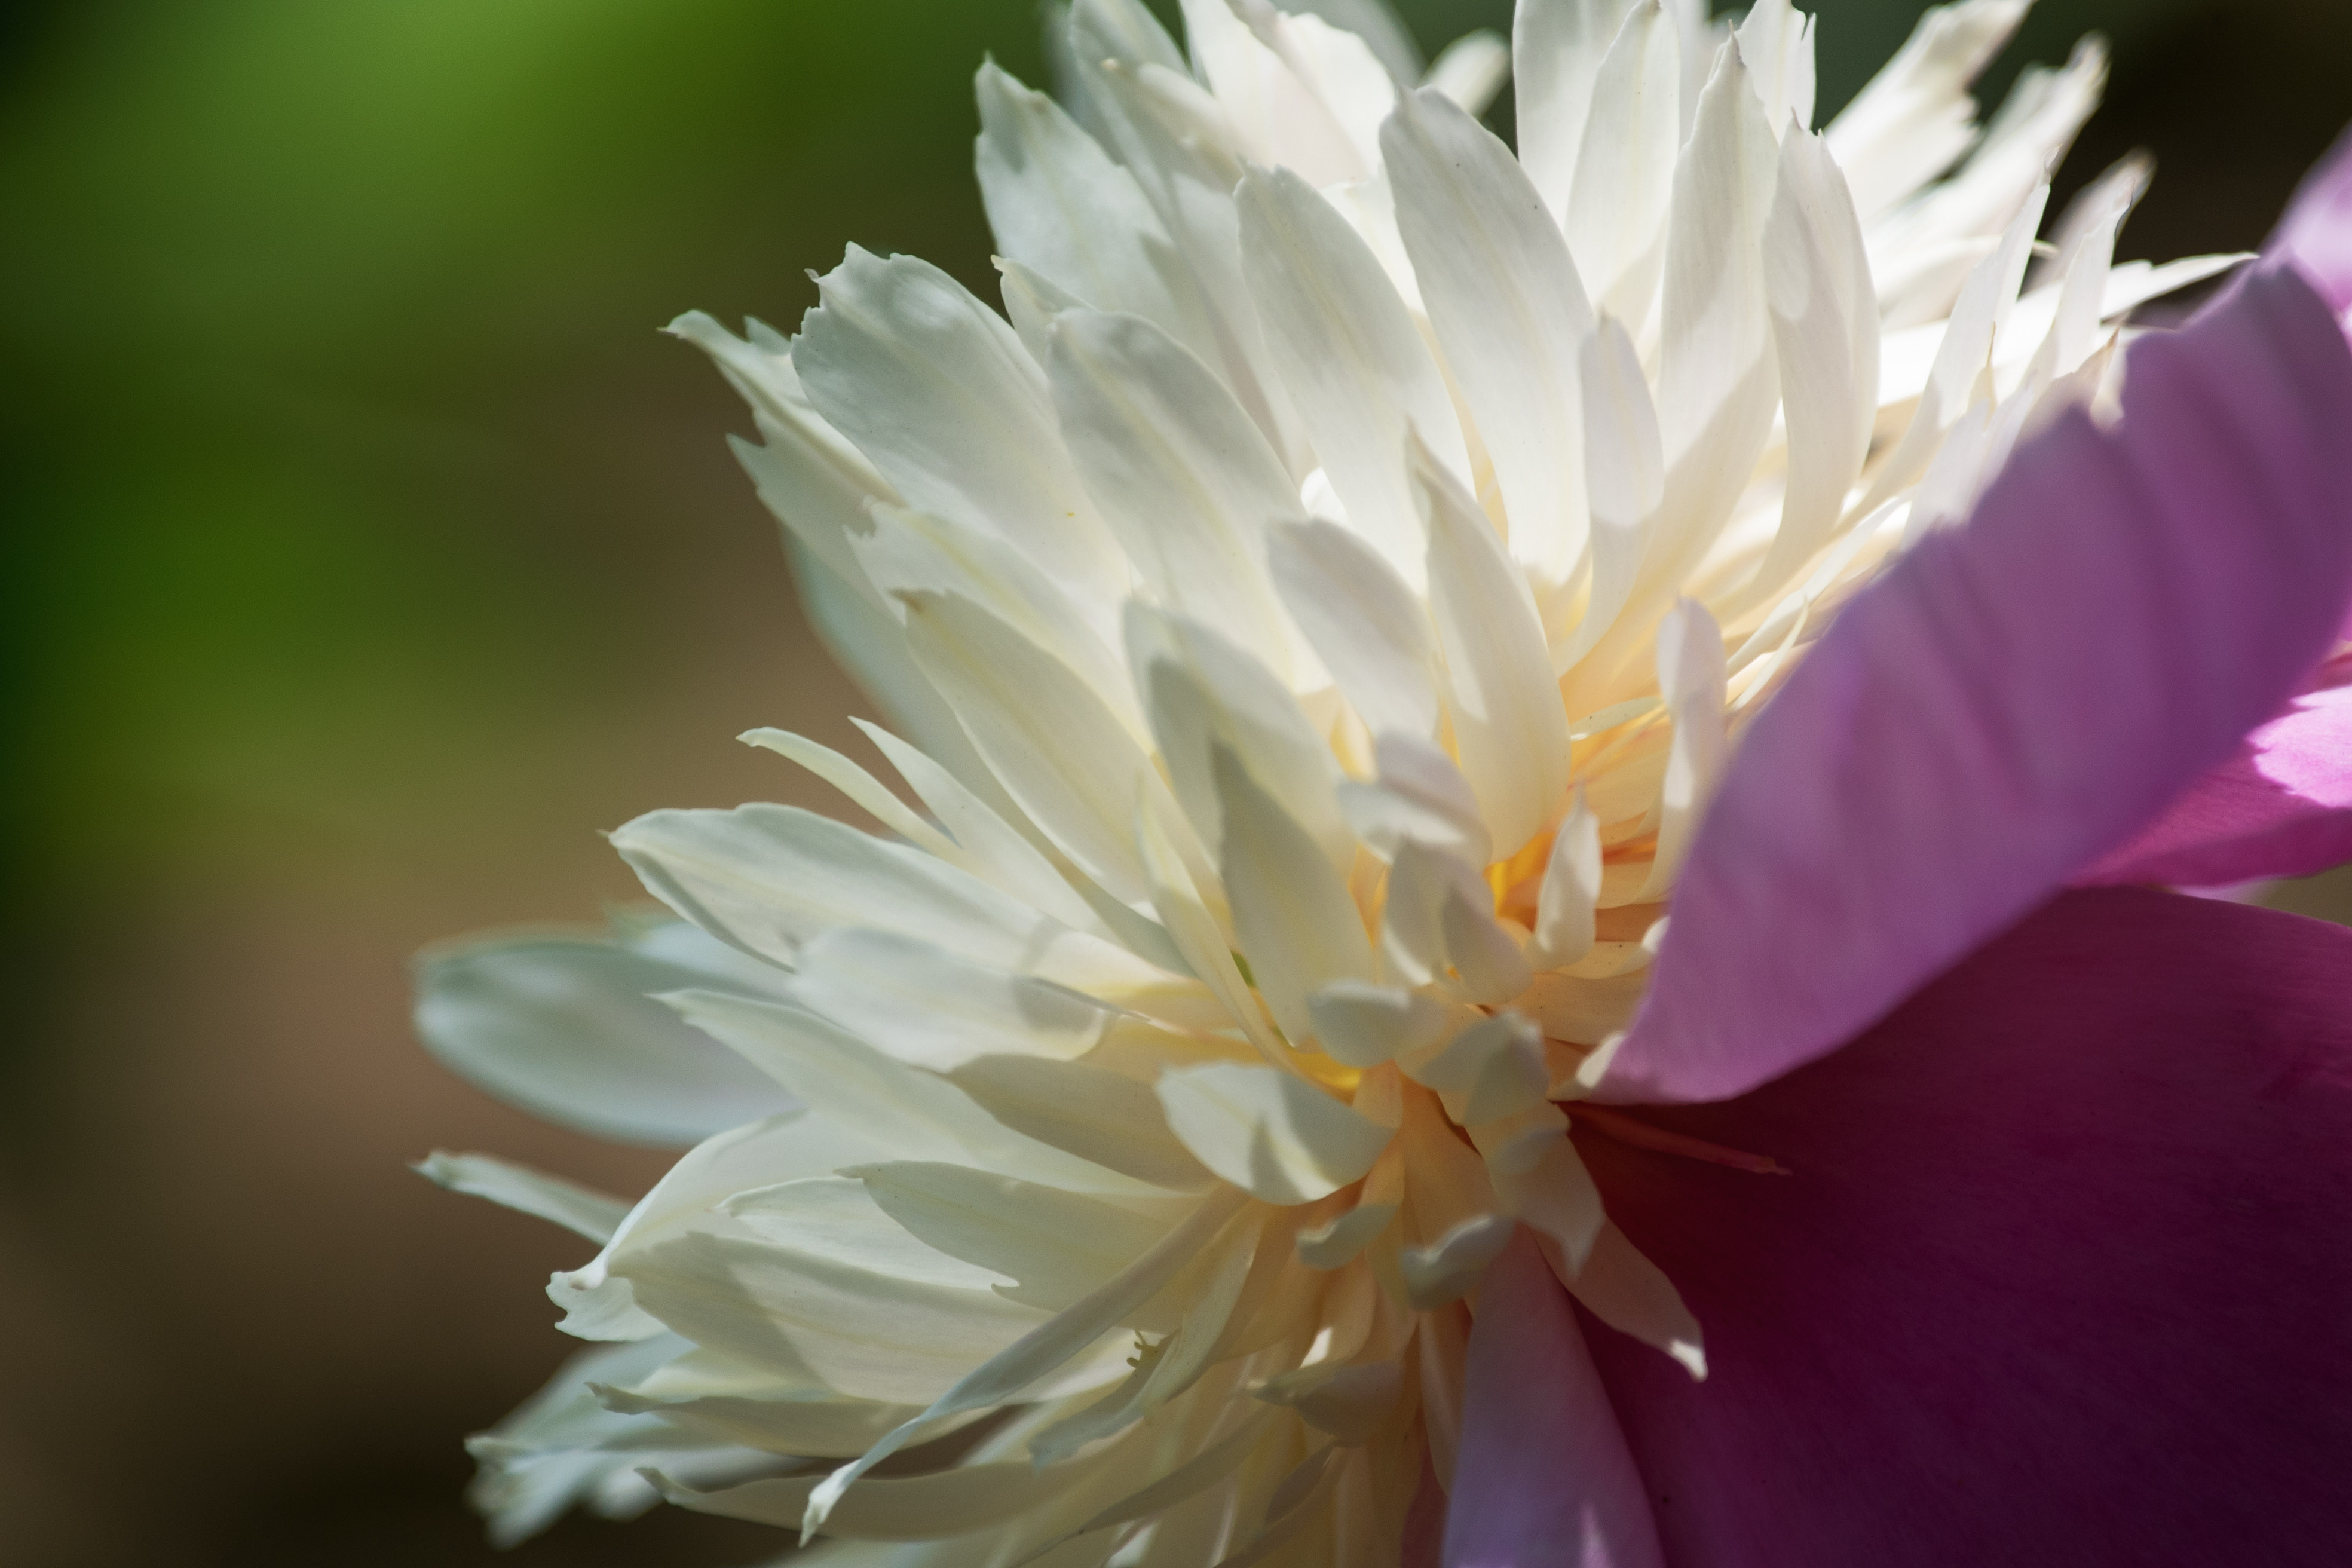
x=1061, y=751
x=1915, y=117
x=1777, y=41
x=1363, y=1025
x=2023, y=144
x=1421, y=797
x=1494, y=1068
x=1412, y=931
x=899, y=1111
x=1508, y=312
x=811, y=478
x=1202, y=691
x=1472, y=70
x=767, y=879
x=1362, y=618
x=1517, y=1143
x=1056, y=1245
x=1348, y=350
x=1718, y=385
x=1691, y=677
x=1826, y=330
x=796, y=1421
x=1100, y=1116
x=1582, y=1011
x=985, y=844
x=864, y=791
x=1031, y=300
x=1628, y=481
x=929, y=1008
x=866, y=641
x=1269, y=1132
x=1122, y=31
x=1277, y=118
x=562, y=1447
x=1375, y=22
x=1964, y=353
x=1048, y=1348
x=1339, y=1242
x=1206, y=945
x=1558, y=1198
x=1557, y=48
x=1344, y=76
x=1509, y=729
x=578, y=1209
x=835, y=1218
x=1179, y=470
x=599, y=1305
x=937, y=390
x=904, y=552
x=1058, y=205
x=1293, y=916
x=567, y=1030
x=1616, y=218
x=1177, y=141
x=1626, y=1292
x=1487, y=965
x=1448, y=1268
x=1565, y=908
x=869, y=1334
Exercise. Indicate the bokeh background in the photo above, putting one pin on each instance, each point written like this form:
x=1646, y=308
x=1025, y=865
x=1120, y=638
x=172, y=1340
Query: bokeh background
x=367, y=551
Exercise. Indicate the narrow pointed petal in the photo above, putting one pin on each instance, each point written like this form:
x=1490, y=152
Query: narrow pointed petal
x=1777, y=41
x=1825, y=332
x=1509, y=313
x=1509, y=724
x=1616, y=218
x=1915, y=117
x=1556, y=48
x=1348, y=352
x=937, y=390
x=1292, y=914
x=1059, y=749
x=1189, y=485
x=1544, y=1479
x=567, y=1030
x=2015, y=696
x=1275, y=1136
x=2066, y=1231
x=1717, y=384
x=1058, y=205
x=1364, y=621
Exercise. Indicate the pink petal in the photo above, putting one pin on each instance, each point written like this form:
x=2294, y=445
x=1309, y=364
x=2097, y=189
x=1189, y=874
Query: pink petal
x=1543, y=1479
x=2015, y=696
x=2281, y=807
x=2316, y=236
x=1425, y=1522
x=2063, y=1275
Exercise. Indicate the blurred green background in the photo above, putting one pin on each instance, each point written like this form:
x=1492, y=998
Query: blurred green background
x=367, y=551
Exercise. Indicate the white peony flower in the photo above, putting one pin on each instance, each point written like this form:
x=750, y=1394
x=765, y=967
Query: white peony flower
x=1313, y=617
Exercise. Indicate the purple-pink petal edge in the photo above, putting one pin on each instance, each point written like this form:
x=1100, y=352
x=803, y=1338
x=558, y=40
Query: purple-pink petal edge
x=2016, y=696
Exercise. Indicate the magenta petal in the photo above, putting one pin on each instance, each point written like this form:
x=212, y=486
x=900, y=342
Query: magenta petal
x=2063, y=1275
x=2281, y=807
x=1425, y=1522
x=2014, y=698
x=1543, y=1479
x=2316, y=236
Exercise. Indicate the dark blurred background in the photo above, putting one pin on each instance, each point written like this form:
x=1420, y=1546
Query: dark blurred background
x=366, y=552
